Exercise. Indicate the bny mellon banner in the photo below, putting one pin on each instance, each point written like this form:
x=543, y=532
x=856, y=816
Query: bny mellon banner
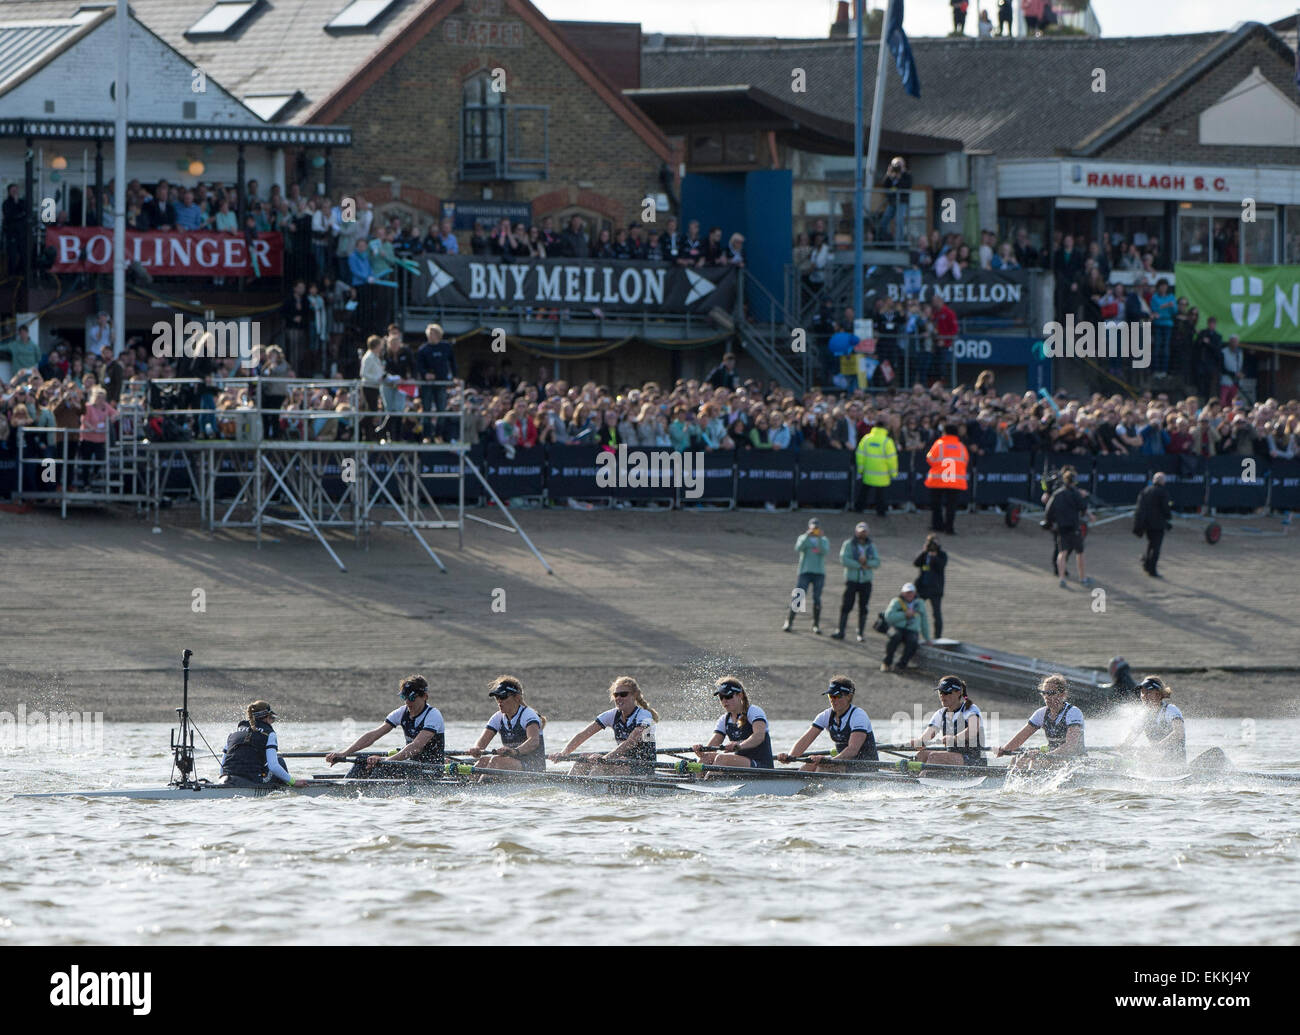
x=1259, y=304
x=611, y=286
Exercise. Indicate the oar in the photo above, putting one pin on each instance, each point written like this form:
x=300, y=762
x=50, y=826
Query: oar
x=904, y=767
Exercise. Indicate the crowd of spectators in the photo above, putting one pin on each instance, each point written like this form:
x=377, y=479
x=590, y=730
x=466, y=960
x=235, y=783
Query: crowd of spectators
x=402, y=383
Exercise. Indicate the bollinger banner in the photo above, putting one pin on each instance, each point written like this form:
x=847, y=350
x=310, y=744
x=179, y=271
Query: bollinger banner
x=473, y=282
x=1259, y=304
x=194, y=253
x=1002, y=293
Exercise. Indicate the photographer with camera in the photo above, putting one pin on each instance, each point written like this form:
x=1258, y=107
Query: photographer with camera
x=931, y=562
x=1066, y=510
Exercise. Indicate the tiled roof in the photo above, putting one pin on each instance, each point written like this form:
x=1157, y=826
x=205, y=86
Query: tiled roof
x=1015, y=97
x=30, y=37
x=282, y=49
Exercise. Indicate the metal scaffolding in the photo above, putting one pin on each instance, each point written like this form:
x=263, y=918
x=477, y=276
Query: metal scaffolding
x=253, y=482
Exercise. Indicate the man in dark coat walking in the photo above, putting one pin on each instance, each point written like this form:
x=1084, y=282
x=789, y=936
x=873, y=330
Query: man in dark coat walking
x=1153, y=517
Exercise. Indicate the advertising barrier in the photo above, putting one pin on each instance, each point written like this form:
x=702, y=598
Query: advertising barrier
x=1116, y=480
x=520, y=475
x=826, y=477
x=1229, y=488
x=1184, y=478
x=1284, y=492
x=1003, y=476
x=765, y=476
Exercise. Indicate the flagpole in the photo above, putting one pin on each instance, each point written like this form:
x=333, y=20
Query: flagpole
x=119, y=186
x=873, y=147
x=859, y=11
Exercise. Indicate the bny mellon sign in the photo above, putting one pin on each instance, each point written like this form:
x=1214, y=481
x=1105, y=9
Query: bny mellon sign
x=575, y=283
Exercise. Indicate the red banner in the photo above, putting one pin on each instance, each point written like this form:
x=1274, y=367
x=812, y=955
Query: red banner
x=195, y=253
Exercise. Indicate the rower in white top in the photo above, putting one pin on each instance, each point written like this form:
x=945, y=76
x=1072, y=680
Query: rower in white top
x=1161, y=728
x=849, y=728
x=1060, y=721
x=520, y=728
x=632, y=720
x=740, y=738
x=955, y=735
x=422, y=726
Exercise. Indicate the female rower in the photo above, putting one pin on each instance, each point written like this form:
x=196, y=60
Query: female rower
x=520, y=728
x=848, y=725
x=744, y=725
x=422, y=726
x=956, y=730
x=632, y=721
x=252, y=753
x=1060, y=721
x=1166, y=739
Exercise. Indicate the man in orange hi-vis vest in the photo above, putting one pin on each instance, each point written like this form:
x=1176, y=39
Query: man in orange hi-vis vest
x=947, y=478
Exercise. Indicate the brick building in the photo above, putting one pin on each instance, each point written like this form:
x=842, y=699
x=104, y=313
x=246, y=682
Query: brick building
x=481, y=102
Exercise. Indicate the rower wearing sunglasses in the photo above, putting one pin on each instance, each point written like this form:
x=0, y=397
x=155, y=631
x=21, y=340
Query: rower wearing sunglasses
x=422, y=726
x=955, y=735
x=632, y=720
x=848, y=725
x=519, y=726
x=1162, y=727
x=1060, y=721
x=741, y=738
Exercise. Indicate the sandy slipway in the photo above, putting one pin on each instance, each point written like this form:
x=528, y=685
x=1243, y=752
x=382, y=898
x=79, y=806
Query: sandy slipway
x=98, y=609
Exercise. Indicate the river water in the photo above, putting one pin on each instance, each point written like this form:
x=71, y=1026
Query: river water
x=1169, y=864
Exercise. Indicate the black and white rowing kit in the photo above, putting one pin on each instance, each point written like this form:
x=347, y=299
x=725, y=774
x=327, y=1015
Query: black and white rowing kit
x=514, y=732
x=738, y=728
x=954, y=724
x=1056, y=729
x=1159, y=724
x=432, y=754
x=841, y=729
x=252, y=757
x=643, y=750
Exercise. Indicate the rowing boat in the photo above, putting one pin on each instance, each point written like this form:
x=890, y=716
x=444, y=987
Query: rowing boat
x=678, y=778
x=774, y=783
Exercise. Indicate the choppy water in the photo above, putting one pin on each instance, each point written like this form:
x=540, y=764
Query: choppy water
x=1173, y=864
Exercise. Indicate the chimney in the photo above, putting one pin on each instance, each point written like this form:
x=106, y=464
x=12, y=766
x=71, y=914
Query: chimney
x=840, y=29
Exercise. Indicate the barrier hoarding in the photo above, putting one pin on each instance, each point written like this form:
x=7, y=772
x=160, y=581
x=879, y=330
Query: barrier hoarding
x=825, y=478
x=518, y=475
x=1116, y=480
x=1002, y=476
x=765, y=476
x=1285, y=489
x=1237, y=482
x=1184, y=478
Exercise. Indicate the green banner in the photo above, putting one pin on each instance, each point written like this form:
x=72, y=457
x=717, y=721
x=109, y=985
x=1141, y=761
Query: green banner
x=1259, y=304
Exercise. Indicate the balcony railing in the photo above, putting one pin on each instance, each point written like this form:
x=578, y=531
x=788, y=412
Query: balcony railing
x=504, y=142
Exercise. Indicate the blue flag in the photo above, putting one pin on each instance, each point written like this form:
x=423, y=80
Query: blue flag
x=896, y=41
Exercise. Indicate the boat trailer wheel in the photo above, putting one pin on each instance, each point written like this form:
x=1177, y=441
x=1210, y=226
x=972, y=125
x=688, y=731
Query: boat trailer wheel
x=1213, y=532
x=1012, y=517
